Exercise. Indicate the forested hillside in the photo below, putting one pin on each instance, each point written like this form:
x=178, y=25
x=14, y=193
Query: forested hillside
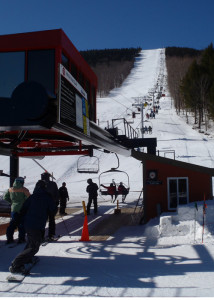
x=191, y=82
x=178, y=60
x=111, y=66
x=190, y=76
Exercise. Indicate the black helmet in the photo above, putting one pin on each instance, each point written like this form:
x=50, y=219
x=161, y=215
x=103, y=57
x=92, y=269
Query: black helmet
x=45, y=176
x=89, y=181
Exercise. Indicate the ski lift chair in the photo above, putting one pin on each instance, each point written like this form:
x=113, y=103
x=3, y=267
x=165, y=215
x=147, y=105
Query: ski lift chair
x=88, y=164
x=113, y=171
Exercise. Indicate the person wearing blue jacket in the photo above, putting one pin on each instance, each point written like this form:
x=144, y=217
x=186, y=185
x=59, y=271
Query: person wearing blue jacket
x=35, y=211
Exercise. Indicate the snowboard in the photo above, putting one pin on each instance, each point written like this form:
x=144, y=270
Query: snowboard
x=13, y=277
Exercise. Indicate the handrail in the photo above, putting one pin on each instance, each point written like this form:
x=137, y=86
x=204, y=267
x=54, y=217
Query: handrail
x=129, y=131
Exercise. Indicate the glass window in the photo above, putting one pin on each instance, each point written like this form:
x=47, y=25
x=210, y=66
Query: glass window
x=177, y=192
x=12, y=71
x=87, y=86
x=93, y=103
x=73, y=70
x=41, y=68
x=65, y=62
x=182, y=191
x=173, y=193
x=81, y=79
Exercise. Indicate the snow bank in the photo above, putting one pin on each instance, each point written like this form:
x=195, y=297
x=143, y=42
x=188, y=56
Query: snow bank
x=183, y=226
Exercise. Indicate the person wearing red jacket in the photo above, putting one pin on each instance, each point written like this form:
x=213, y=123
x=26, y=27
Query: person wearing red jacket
x=111, y=190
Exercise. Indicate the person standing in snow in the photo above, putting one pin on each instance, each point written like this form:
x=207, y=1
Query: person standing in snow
x=52, y=189
x=63, y=198
x=35, y=212
x=92, y=195
x=16, y=196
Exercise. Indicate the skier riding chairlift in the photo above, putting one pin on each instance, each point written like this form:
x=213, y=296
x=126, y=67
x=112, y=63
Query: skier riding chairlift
x=122, y=190
x=116, y=172
x=111, y=190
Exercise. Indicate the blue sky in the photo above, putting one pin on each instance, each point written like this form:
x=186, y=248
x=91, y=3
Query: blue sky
x=100, y=24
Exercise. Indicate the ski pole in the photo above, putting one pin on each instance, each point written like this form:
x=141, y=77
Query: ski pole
x=68, y=233
x=196, y=209
x=204, y=212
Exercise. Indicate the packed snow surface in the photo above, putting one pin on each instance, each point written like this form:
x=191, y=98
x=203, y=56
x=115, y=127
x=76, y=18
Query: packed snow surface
x=171, y=256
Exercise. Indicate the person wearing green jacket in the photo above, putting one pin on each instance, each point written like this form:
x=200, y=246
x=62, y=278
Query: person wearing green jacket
x=16, y=196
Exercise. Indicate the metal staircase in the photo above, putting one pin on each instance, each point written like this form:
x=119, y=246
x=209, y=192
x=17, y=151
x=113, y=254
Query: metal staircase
x=127, y=136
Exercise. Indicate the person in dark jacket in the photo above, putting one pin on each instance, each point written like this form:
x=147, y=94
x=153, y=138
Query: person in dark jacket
x=63, y=198
x=122, y=190
x=92, y=195
x=35, y=211
x=52, y=189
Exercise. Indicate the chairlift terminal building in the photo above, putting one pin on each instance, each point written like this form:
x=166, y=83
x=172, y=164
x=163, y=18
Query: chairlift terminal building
x=168, y=183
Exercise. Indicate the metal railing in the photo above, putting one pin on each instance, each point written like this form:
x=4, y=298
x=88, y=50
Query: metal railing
x=129, y=131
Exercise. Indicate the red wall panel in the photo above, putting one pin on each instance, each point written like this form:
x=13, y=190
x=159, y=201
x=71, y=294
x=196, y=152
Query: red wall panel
x=199, y=184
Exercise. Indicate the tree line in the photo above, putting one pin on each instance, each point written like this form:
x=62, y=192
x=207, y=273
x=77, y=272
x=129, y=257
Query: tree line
x=182, y=52
x=111, y=66
x=94, y=57
x=191, y=81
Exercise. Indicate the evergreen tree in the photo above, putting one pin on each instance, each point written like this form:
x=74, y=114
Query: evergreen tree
x=207, y=63
x=197, y=86
x=189, y=88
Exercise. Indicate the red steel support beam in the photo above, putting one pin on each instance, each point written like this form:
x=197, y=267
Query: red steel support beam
x=44, y=153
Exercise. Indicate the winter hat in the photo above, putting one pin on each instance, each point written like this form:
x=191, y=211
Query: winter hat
x=20, y=179
x=45, y=176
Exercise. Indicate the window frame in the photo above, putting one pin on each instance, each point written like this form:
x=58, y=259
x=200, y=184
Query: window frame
x=13, y=69
x=52, y=81
x=177, y=190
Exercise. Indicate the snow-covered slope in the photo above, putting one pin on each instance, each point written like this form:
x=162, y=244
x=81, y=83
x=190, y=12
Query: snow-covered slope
x=171, y=131
x=117, y=105
x=165, y=257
